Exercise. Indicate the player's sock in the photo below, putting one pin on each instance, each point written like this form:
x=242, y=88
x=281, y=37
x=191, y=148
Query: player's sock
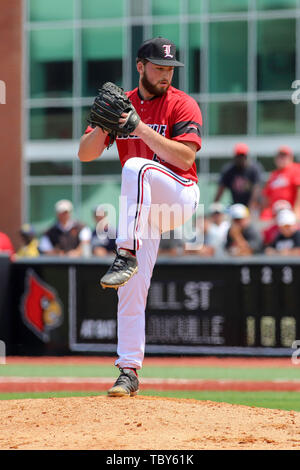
x=134, y=370
x=132, y=252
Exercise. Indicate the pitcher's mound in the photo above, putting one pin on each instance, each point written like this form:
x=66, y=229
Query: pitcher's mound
x=146, y=423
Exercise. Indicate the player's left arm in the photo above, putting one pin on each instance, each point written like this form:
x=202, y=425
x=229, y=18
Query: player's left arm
x=180, y=150
x=180, y=154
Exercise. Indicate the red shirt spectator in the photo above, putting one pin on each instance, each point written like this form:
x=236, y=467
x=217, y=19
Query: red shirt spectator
x=283, y=183
x=272, y=230
x=6, y=245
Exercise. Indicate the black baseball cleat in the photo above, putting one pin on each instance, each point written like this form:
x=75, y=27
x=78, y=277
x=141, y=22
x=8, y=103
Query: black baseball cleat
x=126, y=385
x=122, y=269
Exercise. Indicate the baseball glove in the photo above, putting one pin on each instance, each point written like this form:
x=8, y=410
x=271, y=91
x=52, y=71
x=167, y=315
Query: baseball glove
x=107, y=109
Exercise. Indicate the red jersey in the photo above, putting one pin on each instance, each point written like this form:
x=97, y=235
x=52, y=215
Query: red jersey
x=282, y=184
x=175, y=115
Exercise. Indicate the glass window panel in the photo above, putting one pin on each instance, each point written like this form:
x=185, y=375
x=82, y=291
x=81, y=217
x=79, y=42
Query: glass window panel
x=53, y=168
x=98, y=167
x=51, y=123
x=136, y=41
x=42, y=202
x=95, y=194
x=216, y=164
x=228, y=57
x=275, y=117
x=267, y=162
x=137, y=7
x=228, y=118
x=276, y=54
x=195, y=44
x=167, y=7
x=224, y=6
x=275, y=4
x=195, y=7
x=92, y=9
x=169, y=31
x=51, y=63
x=209, y=188
x=43, y=10
x=51, y=45
x=84, y=115
x=100, y=63
x=204, y=110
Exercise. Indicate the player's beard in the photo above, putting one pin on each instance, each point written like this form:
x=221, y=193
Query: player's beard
x=153, y=89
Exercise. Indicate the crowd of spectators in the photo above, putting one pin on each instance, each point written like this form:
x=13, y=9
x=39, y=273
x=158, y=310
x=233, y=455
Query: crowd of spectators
x=262, y=218
x=65, y=237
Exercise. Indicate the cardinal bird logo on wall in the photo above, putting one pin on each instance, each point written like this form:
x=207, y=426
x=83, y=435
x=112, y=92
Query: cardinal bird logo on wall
x=40, y=306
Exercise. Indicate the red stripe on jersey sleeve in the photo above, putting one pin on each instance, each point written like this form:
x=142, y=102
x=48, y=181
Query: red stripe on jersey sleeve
x=88, y=130
x=187, y=116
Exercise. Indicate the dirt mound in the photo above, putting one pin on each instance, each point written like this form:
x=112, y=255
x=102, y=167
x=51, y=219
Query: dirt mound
x=146, y=423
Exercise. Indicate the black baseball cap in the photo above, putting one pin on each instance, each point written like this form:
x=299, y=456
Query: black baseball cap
x=159, y=51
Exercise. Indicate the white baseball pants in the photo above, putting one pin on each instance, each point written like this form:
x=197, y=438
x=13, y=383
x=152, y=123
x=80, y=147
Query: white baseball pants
x=153, y=200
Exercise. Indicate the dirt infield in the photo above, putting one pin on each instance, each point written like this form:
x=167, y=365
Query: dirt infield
x=97, y=423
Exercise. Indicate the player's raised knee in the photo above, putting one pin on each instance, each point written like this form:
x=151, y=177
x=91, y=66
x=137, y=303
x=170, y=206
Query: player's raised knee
x=132, y=166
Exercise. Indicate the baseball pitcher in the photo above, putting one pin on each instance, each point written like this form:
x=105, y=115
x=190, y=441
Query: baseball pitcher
x=157, y=129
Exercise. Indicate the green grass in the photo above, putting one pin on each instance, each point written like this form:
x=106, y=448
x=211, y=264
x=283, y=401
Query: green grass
x=208, y=373
x=266, y=399
x=274, y=400
x=26, y=395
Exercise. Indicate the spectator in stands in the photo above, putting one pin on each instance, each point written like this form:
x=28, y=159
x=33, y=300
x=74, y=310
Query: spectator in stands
x=271, y=231
x=66, y=237
x=6, y=245
x=218, y=228
x=171, y=244
x=30, y=243
x=283, y=183
x=201, y=244
x=287, y=242
x=243, y=179
x=243, y=239
x=103, y=236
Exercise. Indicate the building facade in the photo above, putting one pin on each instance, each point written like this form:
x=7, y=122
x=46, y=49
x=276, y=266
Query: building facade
x=241, y=58
x=11, y=117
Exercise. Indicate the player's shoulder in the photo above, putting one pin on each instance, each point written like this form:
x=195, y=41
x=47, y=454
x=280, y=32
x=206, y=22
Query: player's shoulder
x=132, y=93
x=179, y=95
x=133, y=96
